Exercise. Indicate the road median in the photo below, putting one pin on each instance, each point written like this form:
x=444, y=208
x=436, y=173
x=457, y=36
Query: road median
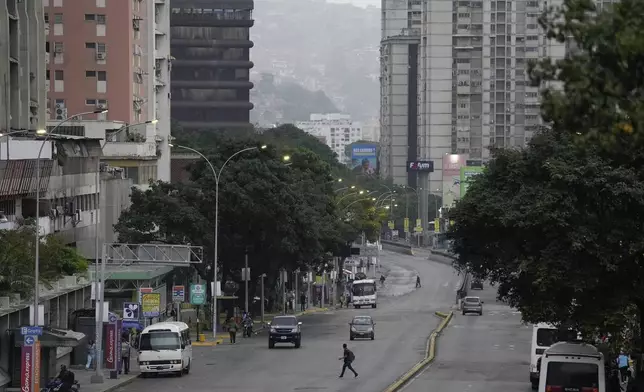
x=430, y=353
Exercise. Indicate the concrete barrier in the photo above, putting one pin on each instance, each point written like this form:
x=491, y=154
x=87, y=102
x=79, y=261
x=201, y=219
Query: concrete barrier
x=397, y=247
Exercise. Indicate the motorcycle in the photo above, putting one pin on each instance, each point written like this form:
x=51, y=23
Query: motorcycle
x=56, y=385
x=248, y=329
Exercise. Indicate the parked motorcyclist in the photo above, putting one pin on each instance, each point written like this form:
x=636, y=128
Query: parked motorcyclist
x=65, y=378
x=247, y=323
x=382, y=279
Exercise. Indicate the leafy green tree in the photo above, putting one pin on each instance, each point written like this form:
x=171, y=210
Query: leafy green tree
x=558, y=224
x=17, y=255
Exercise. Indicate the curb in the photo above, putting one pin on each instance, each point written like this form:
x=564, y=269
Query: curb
x=430, y=354
x=119, y=385
x=207, y=344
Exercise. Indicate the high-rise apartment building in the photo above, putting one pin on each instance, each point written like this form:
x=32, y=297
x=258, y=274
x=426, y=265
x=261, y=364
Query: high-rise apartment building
x=336, y=130
x=112, y=55
x=22, y=66
x=473, y=91
x=210, y=74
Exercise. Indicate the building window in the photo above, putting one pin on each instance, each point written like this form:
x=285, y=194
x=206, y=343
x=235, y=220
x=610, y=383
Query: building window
x=47, y=75
x=100, y=19
x=47, y=47
x=102, y=102
x=90, y=102
x=89, y=17
x=46, y=17
x=58, y=18
x=59, y=75
x=100, y=47
x=90, y=74
x=58, y=47
x=102, y=76
x=90, y=45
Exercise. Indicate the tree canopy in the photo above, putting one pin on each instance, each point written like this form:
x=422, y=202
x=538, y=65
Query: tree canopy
x=557, y=224
x=17, y=255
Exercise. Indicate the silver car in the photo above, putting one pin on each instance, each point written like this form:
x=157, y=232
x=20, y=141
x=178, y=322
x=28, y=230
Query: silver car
x=362, y=327
x=472, y=305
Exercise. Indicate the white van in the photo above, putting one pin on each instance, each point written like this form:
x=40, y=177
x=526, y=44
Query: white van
x=364, y=293
x=165, y=348
x=572, y=367
x=543, y=336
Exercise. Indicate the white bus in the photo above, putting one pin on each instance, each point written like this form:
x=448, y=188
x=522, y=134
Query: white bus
x=165, y=348
x=364, y=293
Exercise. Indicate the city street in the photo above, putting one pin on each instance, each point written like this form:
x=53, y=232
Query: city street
x=480, y=353
x=403, y=323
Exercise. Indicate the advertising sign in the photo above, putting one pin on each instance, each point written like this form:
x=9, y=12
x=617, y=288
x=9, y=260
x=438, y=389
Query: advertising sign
x=26, y=362
x=420, y=166
x=197, y=294
x=117, y=343
x=131, y=311
x=364, y=159
x=437, y=225
x=36, y=366
x=406, y=225
x=151, y=304
x=144, y=290
x=178, y=293
x=110, y=346
x=452, y=164
x=391, y=225
x=467, y=173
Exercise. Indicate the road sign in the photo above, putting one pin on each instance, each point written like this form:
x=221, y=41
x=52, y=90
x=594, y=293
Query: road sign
x=112, y=318
x=178, y=293
x=197, y=294
x=37, y=331
x=131, y=311
x=245, y=272
x=29, y=340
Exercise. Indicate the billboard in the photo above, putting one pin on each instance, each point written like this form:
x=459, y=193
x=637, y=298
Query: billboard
x=364, y=159
x=467, y=173
x=452, y=164
x=420, y=166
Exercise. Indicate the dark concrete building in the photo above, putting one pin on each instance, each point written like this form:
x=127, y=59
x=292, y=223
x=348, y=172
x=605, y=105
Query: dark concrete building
x=210, y=41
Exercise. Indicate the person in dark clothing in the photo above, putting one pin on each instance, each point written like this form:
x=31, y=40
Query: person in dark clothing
x=347, y=357
x=418, y=281
x=302, y=302
x=125, y=356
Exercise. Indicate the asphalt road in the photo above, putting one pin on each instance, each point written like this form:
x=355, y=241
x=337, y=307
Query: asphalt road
x=480, y=353
x=404, y=319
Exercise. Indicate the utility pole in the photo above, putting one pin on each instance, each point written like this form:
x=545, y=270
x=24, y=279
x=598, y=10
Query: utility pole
x=297, y=275
x=262, y=296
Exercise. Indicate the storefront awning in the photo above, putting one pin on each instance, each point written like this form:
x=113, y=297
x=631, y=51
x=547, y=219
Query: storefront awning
x=54, y=337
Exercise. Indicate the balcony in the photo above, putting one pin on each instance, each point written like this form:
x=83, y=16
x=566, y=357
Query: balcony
x=130, y=150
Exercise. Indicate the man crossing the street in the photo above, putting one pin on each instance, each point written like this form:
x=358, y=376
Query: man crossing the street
x=347, y=357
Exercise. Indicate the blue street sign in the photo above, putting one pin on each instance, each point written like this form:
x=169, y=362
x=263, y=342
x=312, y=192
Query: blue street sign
x=112, y=318
x=29, y=340
x=31, y=331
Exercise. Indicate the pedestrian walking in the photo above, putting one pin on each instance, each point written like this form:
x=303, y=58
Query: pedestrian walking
x=417, y=281
x=232, y=329
x=91, y=354
x=347, y=359
x=622, y=364
x=302, y=302
x=125, y=356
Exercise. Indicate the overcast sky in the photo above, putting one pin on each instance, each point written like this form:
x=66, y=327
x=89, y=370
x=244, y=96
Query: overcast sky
x=359, y=3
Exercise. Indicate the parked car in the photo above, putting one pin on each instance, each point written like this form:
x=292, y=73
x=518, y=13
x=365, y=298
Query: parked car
x=472, y=305
x=362, y=327
x=476, y=284
x=285, y=329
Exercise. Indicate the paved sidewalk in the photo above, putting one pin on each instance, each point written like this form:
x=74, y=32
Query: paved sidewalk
x=84, y=378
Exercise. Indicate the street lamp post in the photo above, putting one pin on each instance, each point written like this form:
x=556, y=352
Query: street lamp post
x=217, y=175
x=37, y=255
x=99, y=289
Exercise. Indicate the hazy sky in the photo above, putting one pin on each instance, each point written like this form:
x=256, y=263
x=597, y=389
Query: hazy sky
x=359, y=3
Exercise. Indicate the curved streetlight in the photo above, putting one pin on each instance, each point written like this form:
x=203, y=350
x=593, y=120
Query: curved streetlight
x=345, y=188
x=361, y=192
x=37, y=261
x=217, y=175
x=357, y=201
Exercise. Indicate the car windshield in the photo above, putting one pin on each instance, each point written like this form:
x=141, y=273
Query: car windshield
x=364, y=289
x=471, y=300
x=362, y=321
x=160, y=340
x=546, y=337
x=284, y=321
x=572, y=375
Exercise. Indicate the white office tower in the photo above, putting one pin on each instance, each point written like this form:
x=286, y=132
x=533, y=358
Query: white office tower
x=473, y=84
x=400, y=39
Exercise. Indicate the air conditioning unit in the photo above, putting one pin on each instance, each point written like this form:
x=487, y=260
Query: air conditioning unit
x=101, y=107
x=58, y=49
x=61, y=113
x=101, y=55
x=60, y=106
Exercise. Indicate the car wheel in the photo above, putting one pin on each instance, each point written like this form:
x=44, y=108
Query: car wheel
x=351, y=337
x=298, y=343
x=187, y=369
x=535, y=385
x=463, y=313
x=373, y=306
x=373, y=336
x=356, y=306
x=271, y=344
x=180, y=373
x=144, y=375
x=480, y=313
